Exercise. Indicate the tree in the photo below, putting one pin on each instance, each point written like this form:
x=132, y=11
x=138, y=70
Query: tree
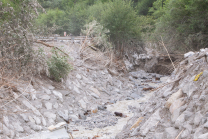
x=184, y=22
x=15, y=36
x=122, y=21
x=51, y=18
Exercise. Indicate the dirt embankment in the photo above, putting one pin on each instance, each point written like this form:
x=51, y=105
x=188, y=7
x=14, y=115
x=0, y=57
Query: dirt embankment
x=151, y=61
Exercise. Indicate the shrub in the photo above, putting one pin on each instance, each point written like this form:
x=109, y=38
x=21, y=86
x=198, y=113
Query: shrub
x=16, y=41
x=58, y=66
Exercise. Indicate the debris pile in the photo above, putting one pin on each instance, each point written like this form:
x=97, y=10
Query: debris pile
x=179, y=108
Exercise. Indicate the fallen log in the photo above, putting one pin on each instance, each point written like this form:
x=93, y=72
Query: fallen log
x=48, y=45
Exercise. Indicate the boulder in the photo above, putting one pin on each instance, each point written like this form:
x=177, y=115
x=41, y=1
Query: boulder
x=173, y=97
x=186, y=55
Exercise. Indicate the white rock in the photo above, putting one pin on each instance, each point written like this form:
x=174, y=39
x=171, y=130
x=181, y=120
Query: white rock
x=37, y=120
x=176, y=104
x=13, y=134
x=198, y=132
x=47, y=91
x=116, y=90
x=82, y=104
x=50, y=115
x=33, y=94
x=51, y=121
x=186, y=55
x=203, y=136
x=175, y=115
x=45, y=97
x=15, y=95
x=58, y=94
x=56, y=105
x=37, y=104
x=31, y=119
x=95, y=91
x=18, y=127
x=205, y=74
x=35, y=127
x=77, y=84
x=50, y=87
x=206, y=125
x=51, y=128
x=197, y=118
x=202, y=50
x=48, y=105
x=6, y=131
x=43, y=121
x=6, y=120
x=95, y=95
x=57, y=126
x=102, y=72
x=128, y=65
x=73, y=117
x=188, y=88
x=185, y=134
x=25, y=117
x=27, y=104
x=206, y=106
x=173, y=97
x=179, y=120
x=171, y=132
x=79, y=76
x=158, y=135
x=167, y=92
x=151, y=122
x=85, y=99
x=64, y=115
x=76, y=90
x=57, y=134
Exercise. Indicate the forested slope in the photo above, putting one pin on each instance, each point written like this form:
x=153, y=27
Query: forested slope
x=183, y=24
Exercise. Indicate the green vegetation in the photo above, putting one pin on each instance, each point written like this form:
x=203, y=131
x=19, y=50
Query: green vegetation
x=182, y=23
x=15, y=36
x=122, y=21
x=58, y=66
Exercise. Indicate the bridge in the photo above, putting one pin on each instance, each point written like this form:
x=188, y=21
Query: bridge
x=67, y=38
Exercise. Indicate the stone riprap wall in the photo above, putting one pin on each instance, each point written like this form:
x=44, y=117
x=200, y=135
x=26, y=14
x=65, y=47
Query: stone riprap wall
x=178, y=109
x=37, y=105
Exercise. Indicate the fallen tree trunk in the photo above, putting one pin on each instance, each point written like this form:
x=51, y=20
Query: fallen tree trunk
x=48, y=45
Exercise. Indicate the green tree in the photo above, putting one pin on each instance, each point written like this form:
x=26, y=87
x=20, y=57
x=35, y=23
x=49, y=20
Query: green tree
x=184, y=23
x=76, y=17
x=50, y=18
x=122, y=21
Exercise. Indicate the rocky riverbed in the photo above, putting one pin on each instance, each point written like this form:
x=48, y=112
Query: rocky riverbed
x=85, y=103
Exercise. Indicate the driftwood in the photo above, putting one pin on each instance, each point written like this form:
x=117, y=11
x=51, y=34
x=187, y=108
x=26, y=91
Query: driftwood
x=92, y=47
x=41, y=42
